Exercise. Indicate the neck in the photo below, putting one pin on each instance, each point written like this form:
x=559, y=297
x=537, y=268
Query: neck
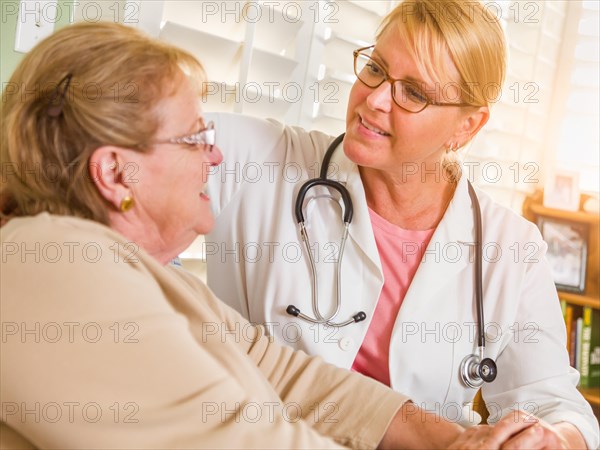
x=411, y=201
x=149, y=239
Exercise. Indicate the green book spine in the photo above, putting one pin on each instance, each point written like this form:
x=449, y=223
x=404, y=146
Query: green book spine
x=578, y=333
x=594, y=356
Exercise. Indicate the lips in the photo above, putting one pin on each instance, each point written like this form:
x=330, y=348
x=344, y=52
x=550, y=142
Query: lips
x=372, y=127
x=203, y=196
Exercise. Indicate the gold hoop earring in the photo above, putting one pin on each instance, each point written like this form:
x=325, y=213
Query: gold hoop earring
x=453, y=147
x=126, y=204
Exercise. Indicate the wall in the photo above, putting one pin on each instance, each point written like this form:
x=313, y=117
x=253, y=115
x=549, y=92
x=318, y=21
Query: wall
x=67, y=12
x=9, y=58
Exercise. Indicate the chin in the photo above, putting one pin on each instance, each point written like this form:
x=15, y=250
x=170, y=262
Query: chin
x=206, y=226
x=359, y=153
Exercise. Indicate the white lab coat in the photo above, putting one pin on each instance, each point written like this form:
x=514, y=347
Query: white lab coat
x=257, y=263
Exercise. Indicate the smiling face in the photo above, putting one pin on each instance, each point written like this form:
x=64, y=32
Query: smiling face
x=171, y=178
x=380, y=134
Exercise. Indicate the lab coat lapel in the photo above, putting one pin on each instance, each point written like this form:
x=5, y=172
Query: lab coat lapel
x=429, y=305
x=448, y=252
x=360, y=231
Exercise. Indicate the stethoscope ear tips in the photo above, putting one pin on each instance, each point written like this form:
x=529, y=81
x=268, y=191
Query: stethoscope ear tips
x=292, y=311
x=359, y=317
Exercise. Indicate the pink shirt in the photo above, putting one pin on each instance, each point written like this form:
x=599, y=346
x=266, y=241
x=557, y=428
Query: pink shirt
x=400, y=252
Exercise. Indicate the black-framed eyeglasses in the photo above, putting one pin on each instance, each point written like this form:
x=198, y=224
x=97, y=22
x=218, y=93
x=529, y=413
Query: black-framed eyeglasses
x=406, y=94
x=205, y=137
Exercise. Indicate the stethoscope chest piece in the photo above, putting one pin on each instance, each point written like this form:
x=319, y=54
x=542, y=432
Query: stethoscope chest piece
x=474, y=371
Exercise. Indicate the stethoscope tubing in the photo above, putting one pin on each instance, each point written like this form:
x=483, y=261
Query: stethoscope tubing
x=474, y=368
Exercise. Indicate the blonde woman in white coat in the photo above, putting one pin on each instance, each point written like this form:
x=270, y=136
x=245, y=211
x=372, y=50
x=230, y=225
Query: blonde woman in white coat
x=408, y=263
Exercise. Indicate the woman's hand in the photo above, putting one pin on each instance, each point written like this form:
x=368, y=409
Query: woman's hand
x=520, y=430
x=494, y=436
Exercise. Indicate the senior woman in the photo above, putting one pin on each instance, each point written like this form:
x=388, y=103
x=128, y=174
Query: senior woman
x=105, y=157
x=406, y=309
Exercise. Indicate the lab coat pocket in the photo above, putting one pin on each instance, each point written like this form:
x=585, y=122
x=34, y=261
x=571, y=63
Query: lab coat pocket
x=421, y=362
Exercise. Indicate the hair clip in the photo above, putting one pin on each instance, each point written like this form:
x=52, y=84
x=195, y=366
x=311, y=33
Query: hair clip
x=57, y=101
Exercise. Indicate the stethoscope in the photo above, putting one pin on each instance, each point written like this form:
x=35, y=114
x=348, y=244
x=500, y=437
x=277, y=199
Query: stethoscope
x=474, y=368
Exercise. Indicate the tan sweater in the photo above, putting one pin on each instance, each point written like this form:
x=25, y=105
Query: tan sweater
x=102, y=347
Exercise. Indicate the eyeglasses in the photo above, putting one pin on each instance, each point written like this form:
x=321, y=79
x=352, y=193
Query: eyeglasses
x=206, y=136
x=406, y=94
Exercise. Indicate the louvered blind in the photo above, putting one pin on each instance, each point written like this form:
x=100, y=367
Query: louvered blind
x=260, y=55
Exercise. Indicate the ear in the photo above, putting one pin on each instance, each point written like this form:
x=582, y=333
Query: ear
x=470, y=126
x=105, y=169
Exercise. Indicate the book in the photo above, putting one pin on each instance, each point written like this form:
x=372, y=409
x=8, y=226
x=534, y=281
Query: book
x=575, y=312
x=579, y=328
x=586, y=335
x=573, y=343
x=590, y=348
x=568, y=315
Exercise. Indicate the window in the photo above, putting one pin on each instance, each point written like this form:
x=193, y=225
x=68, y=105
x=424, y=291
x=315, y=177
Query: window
x=261, y=54
x=576, y=143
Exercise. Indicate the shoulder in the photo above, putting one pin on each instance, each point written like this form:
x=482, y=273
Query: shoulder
x=50, y=247
x=46, y=230
x=240, y=136
x=505, y=220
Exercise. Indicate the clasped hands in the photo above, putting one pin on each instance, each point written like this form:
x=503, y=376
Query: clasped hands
x=519, y=430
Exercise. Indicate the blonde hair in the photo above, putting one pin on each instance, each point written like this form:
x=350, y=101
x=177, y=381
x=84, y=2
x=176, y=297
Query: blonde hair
x=116, y=76
x=470, y=34
x=467, y=31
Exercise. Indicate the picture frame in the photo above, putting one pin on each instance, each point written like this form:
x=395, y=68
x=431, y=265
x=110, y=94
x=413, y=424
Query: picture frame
x=567, y=252
x=561, y=190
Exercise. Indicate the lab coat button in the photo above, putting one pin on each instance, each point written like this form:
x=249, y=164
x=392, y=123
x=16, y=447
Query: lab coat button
x=346, y=343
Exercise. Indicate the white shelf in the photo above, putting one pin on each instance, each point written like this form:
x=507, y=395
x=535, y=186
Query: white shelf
x=275, y=32
x=267, y=67
x=220, y=56
x=221, y=97
x=264, y=106
x=338, y=56
x=380, y=8
x=347, y=78
x=328, y=116
x=333, y=111
x=207, y=16
x=329, y=125
x=355, y=43
x=362, y=22
x=333, y=96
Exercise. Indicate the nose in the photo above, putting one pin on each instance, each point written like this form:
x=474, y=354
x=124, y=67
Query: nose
x=380, y=98
x=215, y=157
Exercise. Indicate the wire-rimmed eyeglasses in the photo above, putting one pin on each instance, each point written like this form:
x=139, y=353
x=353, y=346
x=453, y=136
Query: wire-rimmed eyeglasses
x=406, y=94
x=206, y=136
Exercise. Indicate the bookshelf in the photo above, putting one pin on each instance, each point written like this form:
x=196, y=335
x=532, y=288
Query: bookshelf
x=591, y=395
x=533, y=210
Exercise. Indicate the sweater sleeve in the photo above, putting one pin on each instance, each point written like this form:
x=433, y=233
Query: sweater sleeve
x=349, y=407
x=95, y=355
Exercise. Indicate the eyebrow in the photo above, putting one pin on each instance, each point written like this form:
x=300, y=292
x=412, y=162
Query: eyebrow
x=409, y=78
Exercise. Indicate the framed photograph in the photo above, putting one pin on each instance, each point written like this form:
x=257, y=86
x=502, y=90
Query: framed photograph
x=567, y=252
x=561, y=190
